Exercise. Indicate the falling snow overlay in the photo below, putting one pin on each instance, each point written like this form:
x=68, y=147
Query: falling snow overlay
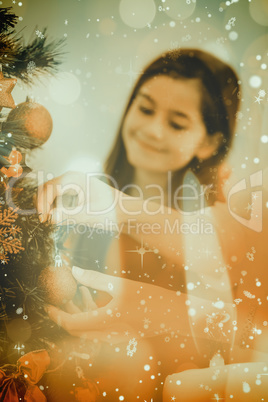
x=166, y=312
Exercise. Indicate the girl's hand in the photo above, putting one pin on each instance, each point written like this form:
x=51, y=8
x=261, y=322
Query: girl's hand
x=136, y=310
x=91, y=199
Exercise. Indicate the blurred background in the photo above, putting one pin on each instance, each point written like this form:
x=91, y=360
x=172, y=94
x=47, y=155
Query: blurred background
x=108, y=42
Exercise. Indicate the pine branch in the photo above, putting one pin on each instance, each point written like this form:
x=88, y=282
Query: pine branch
x=26, y=62
x=8, y=43
x=19, y=138
x=7, y=19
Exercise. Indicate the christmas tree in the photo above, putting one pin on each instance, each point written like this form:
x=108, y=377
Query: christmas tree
x=27, y=246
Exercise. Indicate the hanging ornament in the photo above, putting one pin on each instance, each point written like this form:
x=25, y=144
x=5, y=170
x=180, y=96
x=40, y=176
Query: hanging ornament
x=18, y=382
x=14, y=168
x=57, y=284
x=15, y=157
x=34, y=120
x=89, y=390
x=12, y=171
x=6, y=86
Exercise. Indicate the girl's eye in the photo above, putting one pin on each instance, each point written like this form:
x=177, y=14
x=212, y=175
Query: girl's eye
x=146, y=110
x=176, y=126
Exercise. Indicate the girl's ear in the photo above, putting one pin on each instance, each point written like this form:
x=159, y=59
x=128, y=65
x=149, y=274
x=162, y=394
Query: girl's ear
x=209, y=146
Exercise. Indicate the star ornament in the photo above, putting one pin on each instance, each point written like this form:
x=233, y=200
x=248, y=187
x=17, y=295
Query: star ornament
x=6, y=86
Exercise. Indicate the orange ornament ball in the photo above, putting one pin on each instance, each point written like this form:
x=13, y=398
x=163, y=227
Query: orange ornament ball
x=57, y=284
x=15, y=157
x=34, y=119
x=12, y=171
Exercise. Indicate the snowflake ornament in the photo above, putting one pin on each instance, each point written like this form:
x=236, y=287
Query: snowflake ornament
x=39, y=34
x=232, y=21
x=248, y=294
x=250, y=256
x=174, y=54
x=131, y=347
x=30, y=67
x=262, y=93
x=10, y=242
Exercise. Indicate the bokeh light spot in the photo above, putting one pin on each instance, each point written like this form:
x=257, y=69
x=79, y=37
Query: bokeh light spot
x=178, y=9
x=138, y=13
x=259, y=11
x=65, y=88
x=255, y=81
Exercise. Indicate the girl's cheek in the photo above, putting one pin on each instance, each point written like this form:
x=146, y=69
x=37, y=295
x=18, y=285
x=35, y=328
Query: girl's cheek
x=176, y=146
x=132, y=122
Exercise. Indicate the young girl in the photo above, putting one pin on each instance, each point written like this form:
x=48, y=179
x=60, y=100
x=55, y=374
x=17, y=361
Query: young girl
x=168, y=280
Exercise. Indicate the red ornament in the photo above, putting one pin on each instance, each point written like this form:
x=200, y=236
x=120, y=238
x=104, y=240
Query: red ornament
x=35, y=121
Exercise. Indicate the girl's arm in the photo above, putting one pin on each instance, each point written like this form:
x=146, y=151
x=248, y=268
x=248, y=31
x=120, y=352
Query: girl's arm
x=139, y=310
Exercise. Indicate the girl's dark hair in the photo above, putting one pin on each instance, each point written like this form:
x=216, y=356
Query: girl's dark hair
x=219, y=104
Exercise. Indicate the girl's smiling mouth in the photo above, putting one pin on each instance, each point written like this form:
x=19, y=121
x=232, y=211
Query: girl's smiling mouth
x=148, y=147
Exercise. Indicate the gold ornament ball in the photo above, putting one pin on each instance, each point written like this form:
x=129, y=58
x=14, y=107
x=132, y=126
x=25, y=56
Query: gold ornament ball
x=58, y=285
x=34, y=119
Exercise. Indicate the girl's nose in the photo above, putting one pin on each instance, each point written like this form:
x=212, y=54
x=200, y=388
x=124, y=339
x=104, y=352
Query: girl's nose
x=155, y=129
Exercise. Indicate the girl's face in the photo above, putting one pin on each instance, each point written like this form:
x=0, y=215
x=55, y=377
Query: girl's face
x=164, y=129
